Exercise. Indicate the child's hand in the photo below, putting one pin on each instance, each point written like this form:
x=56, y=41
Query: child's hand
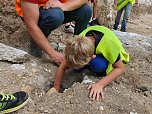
x=96, y=91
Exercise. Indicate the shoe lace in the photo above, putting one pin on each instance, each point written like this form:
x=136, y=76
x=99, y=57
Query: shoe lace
x=7, y=97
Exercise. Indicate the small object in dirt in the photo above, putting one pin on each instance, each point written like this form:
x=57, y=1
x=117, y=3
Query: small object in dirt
x=61, y=47
x=101, y=108
x=33, y=63
x=86, y=80
x=147, y=94
x=52, y=90
x=18, y=66
x=126, y=43
x=50, y=85
x=133, y=112
x=117, y=82
x=143, y=88
x=54, y=45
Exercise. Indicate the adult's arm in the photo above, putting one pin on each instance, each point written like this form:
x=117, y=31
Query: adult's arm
x=31, y=16
x=67, y=6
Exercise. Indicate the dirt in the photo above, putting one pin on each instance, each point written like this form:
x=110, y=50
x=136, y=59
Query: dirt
x=130, y=94
x=141, y=25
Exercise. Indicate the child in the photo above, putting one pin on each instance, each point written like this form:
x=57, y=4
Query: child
x=123, y=5
x=12, y=102
x=98, y=47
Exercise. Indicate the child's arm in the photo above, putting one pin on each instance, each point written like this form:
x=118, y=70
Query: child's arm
x=96, y=89
x=59, y=75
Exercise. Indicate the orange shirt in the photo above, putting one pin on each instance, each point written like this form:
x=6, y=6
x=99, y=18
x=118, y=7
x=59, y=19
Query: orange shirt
x=39, y=2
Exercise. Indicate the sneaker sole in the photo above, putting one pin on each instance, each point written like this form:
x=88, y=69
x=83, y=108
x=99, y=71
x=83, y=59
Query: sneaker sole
x=15, y=108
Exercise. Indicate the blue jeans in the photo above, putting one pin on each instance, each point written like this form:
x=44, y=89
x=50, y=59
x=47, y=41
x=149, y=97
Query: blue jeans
x=52, y=18
x=98, y=65
x=127, y=12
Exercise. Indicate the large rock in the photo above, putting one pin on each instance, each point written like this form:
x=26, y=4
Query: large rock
x=11, y=54
x=135, y=41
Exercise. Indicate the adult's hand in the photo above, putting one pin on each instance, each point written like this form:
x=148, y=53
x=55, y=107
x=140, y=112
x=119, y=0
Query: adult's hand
x=57, y=57
x=53, y=4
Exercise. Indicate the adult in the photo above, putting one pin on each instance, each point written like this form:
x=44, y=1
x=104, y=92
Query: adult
x=43, y=16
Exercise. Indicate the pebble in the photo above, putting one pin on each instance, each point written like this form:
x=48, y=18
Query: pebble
x=61, y=47
x=143, y=88
x=133, y=112
x=101, y=108
x=86, y=80
x=33, y=63
x=54, y=45
x=18, y=66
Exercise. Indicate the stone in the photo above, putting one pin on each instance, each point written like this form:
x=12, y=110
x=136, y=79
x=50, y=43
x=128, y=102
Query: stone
x=13, y=55
x=61, y=47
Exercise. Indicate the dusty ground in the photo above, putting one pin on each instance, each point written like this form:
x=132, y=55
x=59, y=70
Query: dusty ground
x=129, y=94
x=141, y=25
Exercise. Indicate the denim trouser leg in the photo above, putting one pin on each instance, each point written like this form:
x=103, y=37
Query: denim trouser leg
x=117, y=19
x=81, y=16
x=127, y=12
x=52, y=18
x=49, y=20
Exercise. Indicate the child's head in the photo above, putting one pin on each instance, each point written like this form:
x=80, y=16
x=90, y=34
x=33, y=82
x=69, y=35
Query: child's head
x=79, y=51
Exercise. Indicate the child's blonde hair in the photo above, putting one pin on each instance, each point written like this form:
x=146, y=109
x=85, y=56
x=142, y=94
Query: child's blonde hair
x=78, y=51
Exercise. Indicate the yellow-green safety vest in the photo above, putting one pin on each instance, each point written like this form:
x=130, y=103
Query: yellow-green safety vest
x=122, y=3
x=109, y=46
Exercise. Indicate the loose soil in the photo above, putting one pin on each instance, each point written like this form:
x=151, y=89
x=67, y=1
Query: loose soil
x=130, y=94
